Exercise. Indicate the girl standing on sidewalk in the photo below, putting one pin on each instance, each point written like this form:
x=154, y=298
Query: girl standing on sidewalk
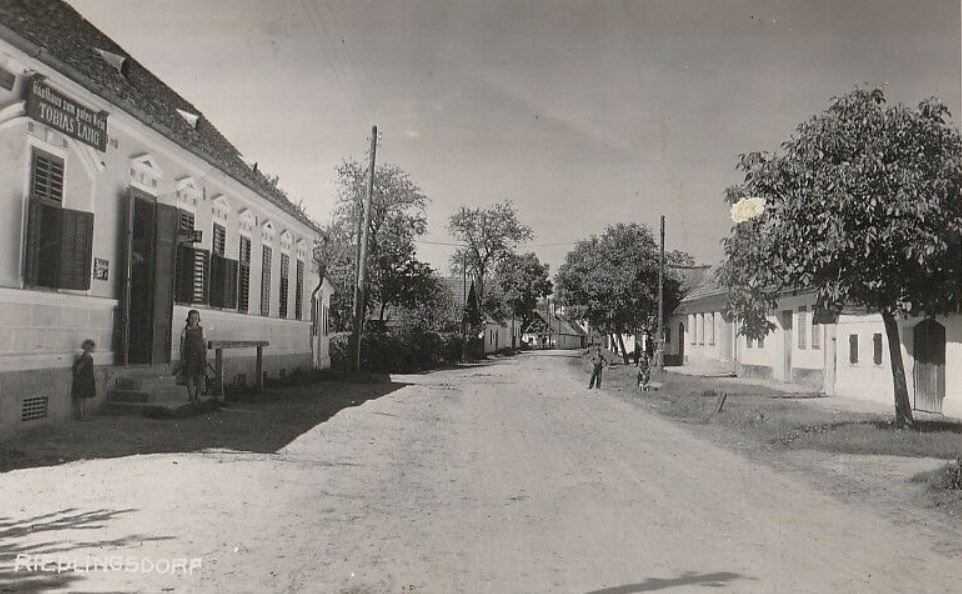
x=193, y=355
x=84, y=385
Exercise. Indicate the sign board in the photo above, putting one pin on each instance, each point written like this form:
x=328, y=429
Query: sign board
x=52, y=108
x=101, y=269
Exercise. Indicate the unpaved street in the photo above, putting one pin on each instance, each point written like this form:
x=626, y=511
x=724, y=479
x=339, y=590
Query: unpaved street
x=501, y=478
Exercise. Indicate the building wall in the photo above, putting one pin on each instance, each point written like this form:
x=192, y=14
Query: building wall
x=41, y=329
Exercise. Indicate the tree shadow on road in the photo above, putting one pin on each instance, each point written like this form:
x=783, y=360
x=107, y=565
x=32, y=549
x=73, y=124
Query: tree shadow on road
x=264, y=423
x=689, y=578
x=23, y=554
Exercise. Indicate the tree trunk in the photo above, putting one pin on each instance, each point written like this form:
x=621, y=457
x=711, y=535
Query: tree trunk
x=903, y=408
x=381, y=317
x=624, y=351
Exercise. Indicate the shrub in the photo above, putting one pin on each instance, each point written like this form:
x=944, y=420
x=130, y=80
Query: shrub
x=397, y=352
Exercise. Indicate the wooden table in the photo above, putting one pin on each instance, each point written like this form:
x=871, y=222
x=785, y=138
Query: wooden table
x=218, y=347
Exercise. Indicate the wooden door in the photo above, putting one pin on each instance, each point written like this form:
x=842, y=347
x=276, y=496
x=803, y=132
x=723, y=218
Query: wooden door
x=139, y=293
x=929, y=371
x=164, y=273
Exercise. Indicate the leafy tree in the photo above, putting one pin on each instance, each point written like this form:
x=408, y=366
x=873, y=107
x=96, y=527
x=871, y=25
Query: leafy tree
x=521, y=280
x=395, y=275
x=612, y=281
x=862, y=207
x=489, y=233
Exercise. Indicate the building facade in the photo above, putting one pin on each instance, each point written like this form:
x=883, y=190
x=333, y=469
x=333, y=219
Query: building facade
x=847, y=355
x=123, y=208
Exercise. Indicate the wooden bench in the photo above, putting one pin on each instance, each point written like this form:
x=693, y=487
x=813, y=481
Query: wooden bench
x=218, y=347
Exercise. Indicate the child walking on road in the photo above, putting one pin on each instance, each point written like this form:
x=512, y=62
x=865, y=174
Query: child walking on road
x=644, y=371
x=598, y=363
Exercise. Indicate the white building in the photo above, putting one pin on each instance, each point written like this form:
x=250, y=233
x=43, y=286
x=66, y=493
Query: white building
x=122, y=207
x=847, y=356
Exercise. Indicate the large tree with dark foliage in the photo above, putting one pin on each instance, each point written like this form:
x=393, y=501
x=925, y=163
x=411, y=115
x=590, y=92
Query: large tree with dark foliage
x=862, y=206
x=521, y=280
x=612, y=281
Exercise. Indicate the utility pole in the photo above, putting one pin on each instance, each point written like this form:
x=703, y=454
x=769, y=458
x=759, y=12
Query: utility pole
x=361, y=276
x=464, y=308
x=660, y=340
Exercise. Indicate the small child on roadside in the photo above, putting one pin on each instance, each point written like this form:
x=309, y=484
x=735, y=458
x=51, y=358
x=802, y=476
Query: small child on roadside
x=644, y=371
x=84, y=385
x=193, y=355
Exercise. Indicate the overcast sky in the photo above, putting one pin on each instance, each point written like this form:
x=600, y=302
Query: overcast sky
x=582, y=113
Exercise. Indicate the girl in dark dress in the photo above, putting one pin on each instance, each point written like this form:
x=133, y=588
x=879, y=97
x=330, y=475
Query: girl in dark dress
x=193, y=354
x=84, y=386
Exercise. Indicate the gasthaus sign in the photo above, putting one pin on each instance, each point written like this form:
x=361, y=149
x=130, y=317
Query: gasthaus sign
x=52, y=108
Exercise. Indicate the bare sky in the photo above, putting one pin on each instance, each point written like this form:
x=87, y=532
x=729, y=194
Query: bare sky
x=582, y=113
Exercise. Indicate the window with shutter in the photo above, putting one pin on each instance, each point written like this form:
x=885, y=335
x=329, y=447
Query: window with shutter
x=186, y=221
x=244, y=274
x=877, y=349
x=853, y=349
x=76, y=246
x=46, y=177
x=223, y=282
x=299, y=291
x=42, y=251
x=803, y=327
x=219, y=245
x=285, y=273
x=266, y=282
x=192, y=274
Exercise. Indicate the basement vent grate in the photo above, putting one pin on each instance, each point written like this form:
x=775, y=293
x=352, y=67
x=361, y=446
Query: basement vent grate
x=34, y=408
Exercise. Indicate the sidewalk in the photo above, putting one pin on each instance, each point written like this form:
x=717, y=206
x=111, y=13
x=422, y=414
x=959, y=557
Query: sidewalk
x=806, y=395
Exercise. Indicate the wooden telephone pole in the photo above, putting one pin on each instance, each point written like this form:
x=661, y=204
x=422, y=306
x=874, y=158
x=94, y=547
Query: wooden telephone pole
x=660, y=340
x=361, y=276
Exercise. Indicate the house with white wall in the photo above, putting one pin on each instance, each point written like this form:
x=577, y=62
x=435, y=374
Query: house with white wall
x=845, y=355
x=122, y=207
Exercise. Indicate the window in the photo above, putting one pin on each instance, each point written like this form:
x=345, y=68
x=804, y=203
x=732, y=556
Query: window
x=192, y=264
x=711, y=328
x=816, y=333
x=748, y=342
x=326, y=322
x=761, y=341
x=877, y=349
x=802, y=328
x=299, y=291
x=192, y=274
x=285, y=274
x=266, y=282
x=59, y=241
x=46, y=177
x=701, y=329
x=219, y=244
x=244, y=274
x=853, y=349
x=692, y=328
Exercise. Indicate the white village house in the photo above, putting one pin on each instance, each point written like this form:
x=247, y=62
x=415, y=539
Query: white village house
x=847, y=356
x=122, y=208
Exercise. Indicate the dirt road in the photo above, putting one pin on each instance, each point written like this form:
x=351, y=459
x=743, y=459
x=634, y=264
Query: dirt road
x=510, y=477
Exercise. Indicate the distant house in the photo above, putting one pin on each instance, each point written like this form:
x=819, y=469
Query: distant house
x=554, y=331
x=501, y=334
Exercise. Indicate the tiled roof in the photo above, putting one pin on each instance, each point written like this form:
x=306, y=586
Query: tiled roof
x=559, y=324
x=56, y=34
x=710, y=286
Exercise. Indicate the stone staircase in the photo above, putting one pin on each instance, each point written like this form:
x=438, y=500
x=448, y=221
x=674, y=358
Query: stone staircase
x=151, y=391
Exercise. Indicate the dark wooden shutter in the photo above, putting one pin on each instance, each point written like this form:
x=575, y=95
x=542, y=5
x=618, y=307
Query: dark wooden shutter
x=76, y=248
x=244, y=274
x=299, y=291
x=219, y=243
x=46, y=176
x=266, y=282
x=285, y=281
x=223, y=282
x=165, y=266
x=192, y=274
